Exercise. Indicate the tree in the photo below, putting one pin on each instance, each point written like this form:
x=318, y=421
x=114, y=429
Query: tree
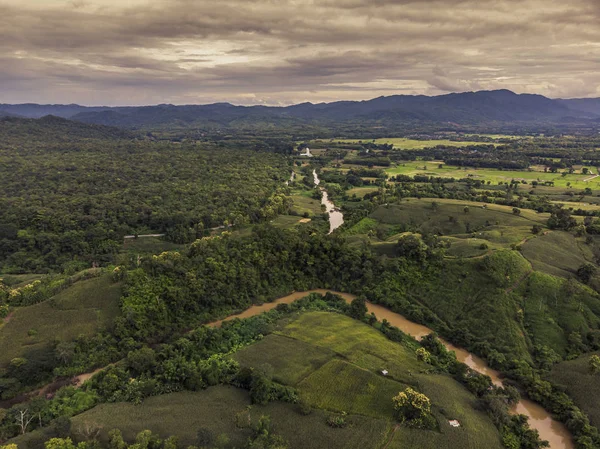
x=204, y=437
x=260, y=388
x=423, y=355
x=115, y=440
x=561, y=219
x=65, y=351
x=586, y=272
x=358, y=308
x=466, y=209
x=23, y=419
x=62, y=426
x=412, y=407
x=516, y=211
x=594, y=364
x=59, y=443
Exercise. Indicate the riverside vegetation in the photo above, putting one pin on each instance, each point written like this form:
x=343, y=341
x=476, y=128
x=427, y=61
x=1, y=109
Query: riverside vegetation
x=505, y=269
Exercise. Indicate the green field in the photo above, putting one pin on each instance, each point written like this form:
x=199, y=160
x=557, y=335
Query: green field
x=411, y=144
x=303, y=202
x=554, y=308
x=360, y=192
x=182, y=414
x=495, y=223
x=432, y=168
x=558, y=253
x=19, y=280
x=150, y=245
x=83, y=308
x=574, y=376
x=345, y=359
x=301, y=359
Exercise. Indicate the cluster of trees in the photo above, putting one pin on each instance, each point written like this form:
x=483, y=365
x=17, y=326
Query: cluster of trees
x=68, y=204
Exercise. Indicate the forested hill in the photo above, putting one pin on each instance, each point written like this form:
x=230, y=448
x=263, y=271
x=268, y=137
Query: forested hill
x=14, y=130
x=469, y=108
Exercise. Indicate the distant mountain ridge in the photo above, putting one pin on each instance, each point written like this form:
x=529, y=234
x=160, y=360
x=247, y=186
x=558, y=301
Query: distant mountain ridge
x=497, y=106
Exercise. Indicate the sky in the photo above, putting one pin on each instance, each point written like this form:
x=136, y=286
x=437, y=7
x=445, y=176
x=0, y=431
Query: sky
x=279, y=52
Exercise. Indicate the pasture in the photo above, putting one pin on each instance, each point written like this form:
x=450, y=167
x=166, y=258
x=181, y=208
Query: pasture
x=347, y=378
x=575, y=377
x=557, y=253
x=496, y=224
x=402, y=143
x=494, y=176
x=83, y=308
x=183, y=414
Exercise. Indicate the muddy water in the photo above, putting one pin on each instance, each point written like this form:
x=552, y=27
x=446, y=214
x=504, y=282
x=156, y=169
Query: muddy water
x=336, y=218
x=553, y=431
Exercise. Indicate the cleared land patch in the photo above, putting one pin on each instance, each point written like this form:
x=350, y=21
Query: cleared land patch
x=580, y=384
x=81, y=309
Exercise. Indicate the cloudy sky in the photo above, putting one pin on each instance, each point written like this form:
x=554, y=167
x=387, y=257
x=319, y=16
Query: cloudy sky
x=120, y=52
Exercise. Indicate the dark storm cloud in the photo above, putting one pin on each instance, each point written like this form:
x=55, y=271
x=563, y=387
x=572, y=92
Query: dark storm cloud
x=257, y=51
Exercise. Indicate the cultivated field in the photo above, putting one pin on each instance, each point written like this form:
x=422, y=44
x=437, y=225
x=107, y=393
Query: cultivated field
x=580, y=384
x=83, y=308
x=432, y=168
x=340, y=361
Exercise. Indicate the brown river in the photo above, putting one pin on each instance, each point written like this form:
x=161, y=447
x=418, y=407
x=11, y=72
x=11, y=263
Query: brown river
x=336, y=218
x=551, y=430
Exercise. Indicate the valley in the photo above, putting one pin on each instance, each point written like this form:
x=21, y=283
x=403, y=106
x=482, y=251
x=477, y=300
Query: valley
x=474, y=286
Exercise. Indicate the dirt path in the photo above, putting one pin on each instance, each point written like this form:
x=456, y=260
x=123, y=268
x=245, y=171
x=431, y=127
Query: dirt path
x=391, y=437
x=519, y=281
x=590, y=178
x=8, y=317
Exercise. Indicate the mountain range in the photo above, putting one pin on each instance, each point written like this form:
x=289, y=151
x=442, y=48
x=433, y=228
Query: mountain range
x=469, y=108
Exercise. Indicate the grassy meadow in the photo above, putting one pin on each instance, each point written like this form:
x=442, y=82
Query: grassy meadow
x=439, y=169
x=402, y=143
x=83, y=308
x=182, y=414
x=584, y=387
x=341, y=372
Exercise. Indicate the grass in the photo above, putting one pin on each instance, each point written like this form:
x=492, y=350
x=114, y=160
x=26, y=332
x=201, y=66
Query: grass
x=180, y=414
x=556, y=307
x=495, y=223
x=19, y=280
x=329, y=388
x=83, y=308
x=360, y=192
x=362, y=353
x=305, y=203
x=362, y=227
x=292, y=360
x=474, y=295
x=287, y=221
x=150, y=245
x=471, y=247
x=557, y=253
x=312, y=432
x=432, y=168
x=411, y=144
x=574, y=376
x=344, y=359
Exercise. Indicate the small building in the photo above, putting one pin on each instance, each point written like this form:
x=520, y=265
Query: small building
x=454, y=423
x=384, y=372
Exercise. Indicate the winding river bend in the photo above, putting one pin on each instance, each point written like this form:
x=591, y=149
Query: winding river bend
x=336, y=218
x=551, y=430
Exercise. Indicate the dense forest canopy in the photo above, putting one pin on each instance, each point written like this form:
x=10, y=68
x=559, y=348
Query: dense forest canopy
x=71, y=201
